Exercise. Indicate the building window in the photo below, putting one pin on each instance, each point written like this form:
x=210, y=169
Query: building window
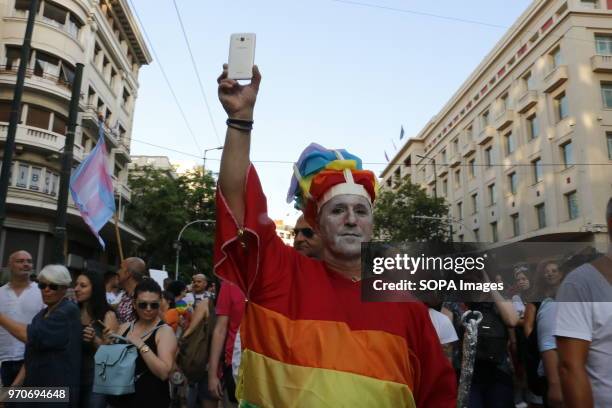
x=38, y=117
x=572, y=205
x=22, y=176
x=474, y=203
x=456, y=146
x=444, y=161
x=503, y=100
x=485, y=119
x=5, y=111
x=590, y=3
x=609, y=138
x=35, y=178
x=537, y=170
x=509, y=141
x=513, y=182
x=458, y=178
x=561, y=106
x=460, y=236
x=606, y=93
x=567, y=152
x=472, y=168
x=533, y=127
x=444, y=187
x=476, y=232
x=528, y=81
x=516, y=228
x=488, y=156
x=494, y=235
x=389, y=182
x=492, y=193
x=556, y=58
x=13, y=56
x=541, y=215
x=460, y=210
x=603, y=44
x=468, y=133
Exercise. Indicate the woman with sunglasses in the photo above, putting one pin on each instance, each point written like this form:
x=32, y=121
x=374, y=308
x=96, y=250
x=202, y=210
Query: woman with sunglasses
x=53, y=338
x=156, y=346
x=96, y=316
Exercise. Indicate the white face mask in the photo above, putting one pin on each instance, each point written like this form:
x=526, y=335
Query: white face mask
x=345, y=221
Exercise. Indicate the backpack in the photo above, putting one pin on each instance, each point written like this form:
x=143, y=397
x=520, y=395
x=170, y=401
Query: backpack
x=115, y=366
x=194, y=348
x=492, y=336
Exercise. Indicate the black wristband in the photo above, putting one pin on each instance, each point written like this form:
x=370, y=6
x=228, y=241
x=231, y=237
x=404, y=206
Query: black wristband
x=239, y=124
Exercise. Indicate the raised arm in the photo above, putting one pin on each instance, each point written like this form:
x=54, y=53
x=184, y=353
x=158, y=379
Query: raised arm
x=239, y=103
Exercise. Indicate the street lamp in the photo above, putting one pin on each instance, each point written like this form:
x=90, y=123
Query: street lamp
x=434, y=170
x=177, y=243
x=206, y=151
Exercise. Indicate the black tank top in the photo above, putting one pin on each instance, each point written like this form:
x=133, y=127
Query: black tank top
x=151, y=392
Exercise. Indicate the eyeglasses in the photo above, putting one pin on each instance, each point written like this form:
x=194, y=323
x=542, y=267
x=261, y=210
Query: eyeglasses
x=52, y=286
x=147, y=305
x=307, y=232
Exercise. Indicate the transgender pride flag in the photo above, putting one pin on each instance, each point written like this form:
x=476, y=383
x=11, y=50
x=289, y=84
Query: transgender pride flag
x=91, y=188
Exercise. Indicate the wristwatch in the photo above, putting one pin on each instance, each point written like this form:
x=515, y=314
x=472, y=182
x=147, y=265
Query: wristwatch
x=144, y=349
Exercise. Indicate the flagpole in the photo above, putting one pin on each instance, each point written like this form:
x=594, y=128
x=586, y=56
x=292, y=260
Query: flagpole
x=117, y=234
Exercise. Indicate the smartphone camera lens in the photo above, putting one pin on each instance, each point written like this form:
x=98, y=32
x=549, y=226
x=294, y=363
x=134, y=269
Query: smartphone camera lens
x=241, y=38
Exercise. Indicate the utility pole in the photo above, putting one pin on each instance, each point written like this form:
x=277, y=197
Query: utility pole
x=9, y=146
x=62, y=198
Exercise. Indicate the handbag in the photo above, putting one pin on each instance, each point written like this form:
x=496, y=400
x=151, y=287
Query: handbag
x=115, y=366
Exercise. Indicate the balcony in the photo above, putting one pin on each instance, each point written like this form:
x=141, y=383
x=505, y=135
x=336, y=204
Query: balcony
x=442, y=170
x=38, y=79
x=555, y=78
x=123, y=151
x=121, y=189
x=504, y=118
x=601, y=63
x=41, y=139
x=526, y=101
x=468, y=148
x=455, y=160
x=486, y=134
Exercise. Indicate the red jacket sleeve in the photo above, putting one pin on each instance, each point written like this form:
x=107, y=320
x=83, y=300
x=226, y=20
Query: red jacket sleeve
x=253, y=257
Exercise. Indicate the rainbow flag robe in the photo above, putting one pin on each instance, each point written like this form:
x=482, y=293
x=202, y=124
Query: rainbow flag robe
x=308, y=340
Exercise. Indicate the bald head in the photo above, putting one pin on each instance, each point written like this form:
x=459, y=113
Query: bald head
x=20, y=264
x=133, y=268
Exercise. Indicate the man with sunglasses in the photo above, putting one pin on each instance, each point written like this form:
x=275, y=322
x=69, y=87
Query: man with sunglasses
x=307, y=337
x=305, y=239
x=20, y=300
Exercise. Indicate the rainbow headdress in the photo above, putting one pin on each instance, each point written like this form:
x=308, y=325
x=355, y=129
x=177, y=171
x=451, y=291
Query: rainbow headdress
x=321, y=174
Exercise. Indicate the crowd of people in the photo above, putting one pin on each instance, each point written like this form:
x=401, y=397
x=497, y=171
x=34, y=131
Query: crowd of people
x=288, y=327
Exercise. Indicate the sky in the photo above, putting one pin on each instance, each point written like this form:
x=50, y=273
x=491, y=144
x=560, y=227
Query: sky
x=341, y=73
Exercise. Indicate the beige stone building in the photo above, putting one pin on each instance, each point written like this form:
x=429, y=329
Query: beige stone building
x=523, y=150
x=104, y=36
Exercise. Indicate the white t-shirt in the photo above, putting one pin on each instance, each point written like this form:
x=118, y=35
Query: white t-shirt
x=444, y=327
x=20, y=308
x=584, y=311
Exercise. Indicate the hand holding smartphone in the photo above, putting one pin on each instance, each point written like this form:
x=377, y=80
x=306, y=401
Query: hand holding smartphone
x=241, y=56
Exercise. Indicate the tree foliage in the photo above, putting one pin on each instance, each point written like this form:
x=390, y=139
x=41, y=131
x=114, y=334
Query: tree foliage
x=161, y=205
x=394, y=211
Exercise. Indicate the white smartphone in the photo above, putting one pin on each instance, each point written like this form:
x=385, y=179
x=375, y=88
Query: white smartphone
x=241, y=56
